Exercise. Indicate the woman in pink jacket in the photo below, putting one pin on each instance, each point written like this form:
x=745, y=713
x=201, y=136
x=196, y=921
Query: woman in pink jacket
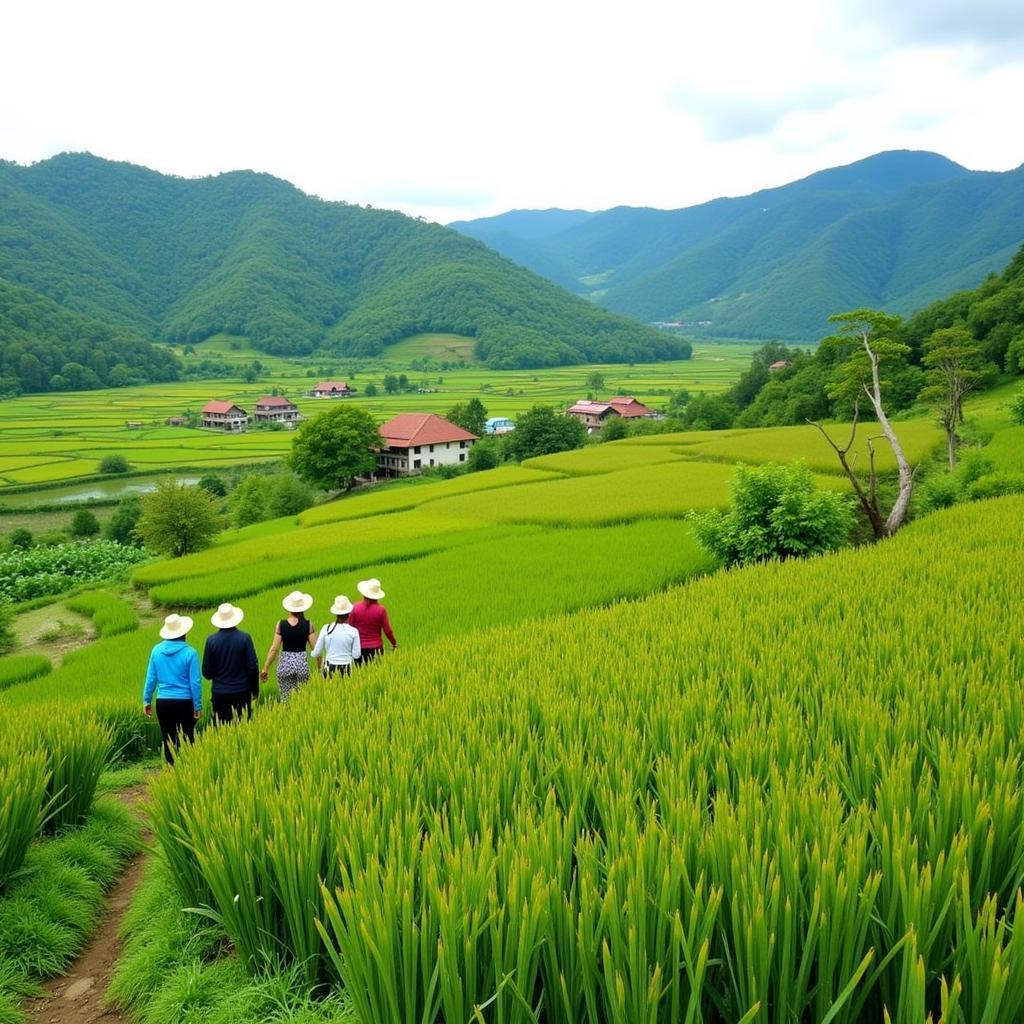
x=370, y=618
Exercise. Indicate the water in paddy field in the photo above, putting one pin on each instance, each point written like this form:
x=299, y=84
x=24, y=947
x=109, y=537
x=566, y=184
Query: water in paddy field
x=73, y=493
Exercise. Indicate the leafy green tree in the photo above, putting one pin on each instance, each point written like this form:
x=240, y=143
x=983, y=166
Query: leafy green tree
x=542, y=431
x=954, y=367
x=288, y=495
x=214, y=484
x=677, y=402
x=370, y=390
x=1017, y=408
x=331, y=450
x=595, y=381
x=708, y=412
x=390, y=383
x=613, y=429
x=471, y=416
x=21, y=538
x=248, y=502
x=776, y=512
x=485, y=454
x=121, y=525
x=114, y=464
x=178, y=519
x=84, y=524
x=865, y=343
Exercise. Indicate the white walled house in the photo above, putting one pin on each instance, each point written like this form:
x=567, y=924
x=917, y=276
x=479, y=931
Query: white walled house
x=419, y=440
x=224, y=416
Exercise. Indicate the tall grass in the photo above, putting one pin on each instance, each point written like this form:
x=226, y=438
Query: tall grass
x=110, y=613
x=788, y=793
x=20, y=668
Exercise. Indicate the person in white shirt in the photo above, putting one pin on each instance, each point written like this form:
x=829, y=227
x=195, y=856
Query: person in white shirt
x=337, y=646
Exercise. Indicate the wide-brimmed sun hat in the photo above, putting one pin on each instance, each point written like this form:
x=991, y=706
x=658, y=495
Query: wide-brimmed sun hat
x=370, y=588
x=297, y=601
x=342, y=605
x=175, y=626
x=226, y=616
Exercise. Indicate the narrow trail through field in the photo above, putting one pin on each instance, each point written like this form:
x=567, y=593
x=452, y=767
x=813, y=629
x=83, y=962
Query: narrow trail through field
x=76, y=997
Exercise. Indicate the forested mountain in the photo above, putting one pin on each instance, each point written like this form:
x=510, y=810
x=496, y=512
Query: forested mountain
x=991, y=315
x=893, y=231
x=148, y=256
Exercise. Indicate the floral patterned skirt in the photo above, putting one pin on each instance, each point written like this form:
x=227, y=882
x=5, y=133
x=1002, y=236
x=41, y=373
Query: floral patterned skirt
x=292, y=672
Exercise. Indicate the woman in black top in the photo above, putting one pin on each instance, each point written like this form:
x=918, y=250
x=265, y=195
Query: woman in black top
x=292, y=637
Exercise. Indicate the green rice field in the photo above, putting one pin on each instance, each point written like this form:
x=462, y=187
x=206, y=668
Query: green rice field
x=52, y=438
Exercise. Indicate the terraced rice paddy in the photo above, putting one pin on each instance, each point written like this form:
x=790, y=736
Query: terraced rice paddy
x=69, y=434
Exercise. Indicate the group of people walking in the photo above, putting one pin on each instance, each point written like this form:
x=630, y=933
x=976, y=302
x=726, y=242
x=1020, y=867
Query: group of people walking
x=175, y=674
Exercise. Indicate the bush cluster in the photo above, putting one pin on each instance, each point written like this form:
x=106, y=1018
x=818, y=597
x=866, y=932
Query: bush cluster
x=52, y=570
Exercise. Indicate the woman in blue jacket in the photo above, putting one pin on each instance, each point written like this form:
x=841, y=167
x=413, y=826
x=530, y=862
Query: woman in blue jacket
x=174, y=673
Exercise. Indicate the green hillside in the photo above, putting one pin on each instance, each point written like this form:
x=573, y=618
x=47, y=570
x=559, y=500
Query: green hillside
x=894, y=231
x=179, y=260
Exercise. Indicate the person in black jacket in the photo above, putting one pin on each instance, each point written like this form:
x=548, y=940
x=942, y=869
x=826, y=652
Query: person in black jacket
x=229, y=662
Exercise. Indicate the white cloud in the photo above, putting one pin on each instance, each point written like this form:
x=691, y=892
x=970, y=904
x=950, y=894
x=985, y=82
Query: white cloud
x=463, y=109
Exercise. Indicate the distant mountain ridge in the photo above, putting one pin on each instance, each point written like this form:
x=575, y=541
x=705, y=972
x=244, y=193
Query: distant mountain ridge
x=156, y=257
x=894, y=231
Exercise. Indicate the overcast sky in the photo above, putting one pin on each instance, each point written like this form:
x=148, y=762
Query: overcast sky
x=461, y=109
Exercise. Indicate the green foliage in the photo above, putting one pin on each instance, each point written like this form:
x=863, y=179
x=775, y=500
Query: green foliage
x=121, y=525
x=114, y=464
x=487, y=453
x=542, y=431
x=248, y=502
x=214, y=484
x=995, y=485
x=52, y=570
x=110, y=613
x=594, y=381
x=708, y=412
x=257, y=259
x=47, y=913
x=471, y=416
x=1016, y=408
x=21, y=538
x=20, y=668
x=178, y=519
x=259, y=496
x=614, y=428
x=776, y=513
x=330, y=451
x=84, y=524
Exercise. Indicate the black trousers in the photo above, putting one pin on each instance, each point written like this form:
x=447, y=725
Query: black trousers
x=227, y=706
x=337, y=670
x=369, y=653
x=176, y=719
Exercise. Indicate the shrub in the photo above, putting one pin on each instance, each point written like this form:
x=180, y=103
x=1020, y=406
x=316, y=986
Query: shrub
x=995, y=485
x=1017, y=408
x=484, y=454
x=776, y=513
x=114, y=464
x=121, y=525
x=41, y=571
x=84, y=524
x=21, y=538
x=214, y=484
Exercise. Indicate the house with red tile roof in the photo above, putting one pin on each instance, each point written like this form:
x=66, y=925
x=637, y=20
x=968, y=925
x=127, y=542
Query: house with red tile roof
x=224, y=416
x=414, y=441
x=593, y=414
x=332, y=389
x=277, y=409
x=780, y=364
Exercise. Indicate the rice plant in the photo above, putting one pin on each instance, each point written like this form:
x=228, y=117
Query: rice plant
x=788, y=793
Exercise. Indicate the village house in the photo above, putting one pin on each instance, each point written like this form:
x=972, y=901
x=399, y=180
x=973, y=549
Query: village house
x=224, y=416
x=332, y=389
x=593, y=414
x=780, y=364
x=418, y=440
x=277, y=409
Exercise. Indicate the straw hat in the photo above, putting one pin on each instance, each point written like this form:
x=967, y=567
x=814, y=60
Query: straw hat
x=226, y=616
x=342, y=605
x=175, y=626
x=370, y=588
x=297, y=601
